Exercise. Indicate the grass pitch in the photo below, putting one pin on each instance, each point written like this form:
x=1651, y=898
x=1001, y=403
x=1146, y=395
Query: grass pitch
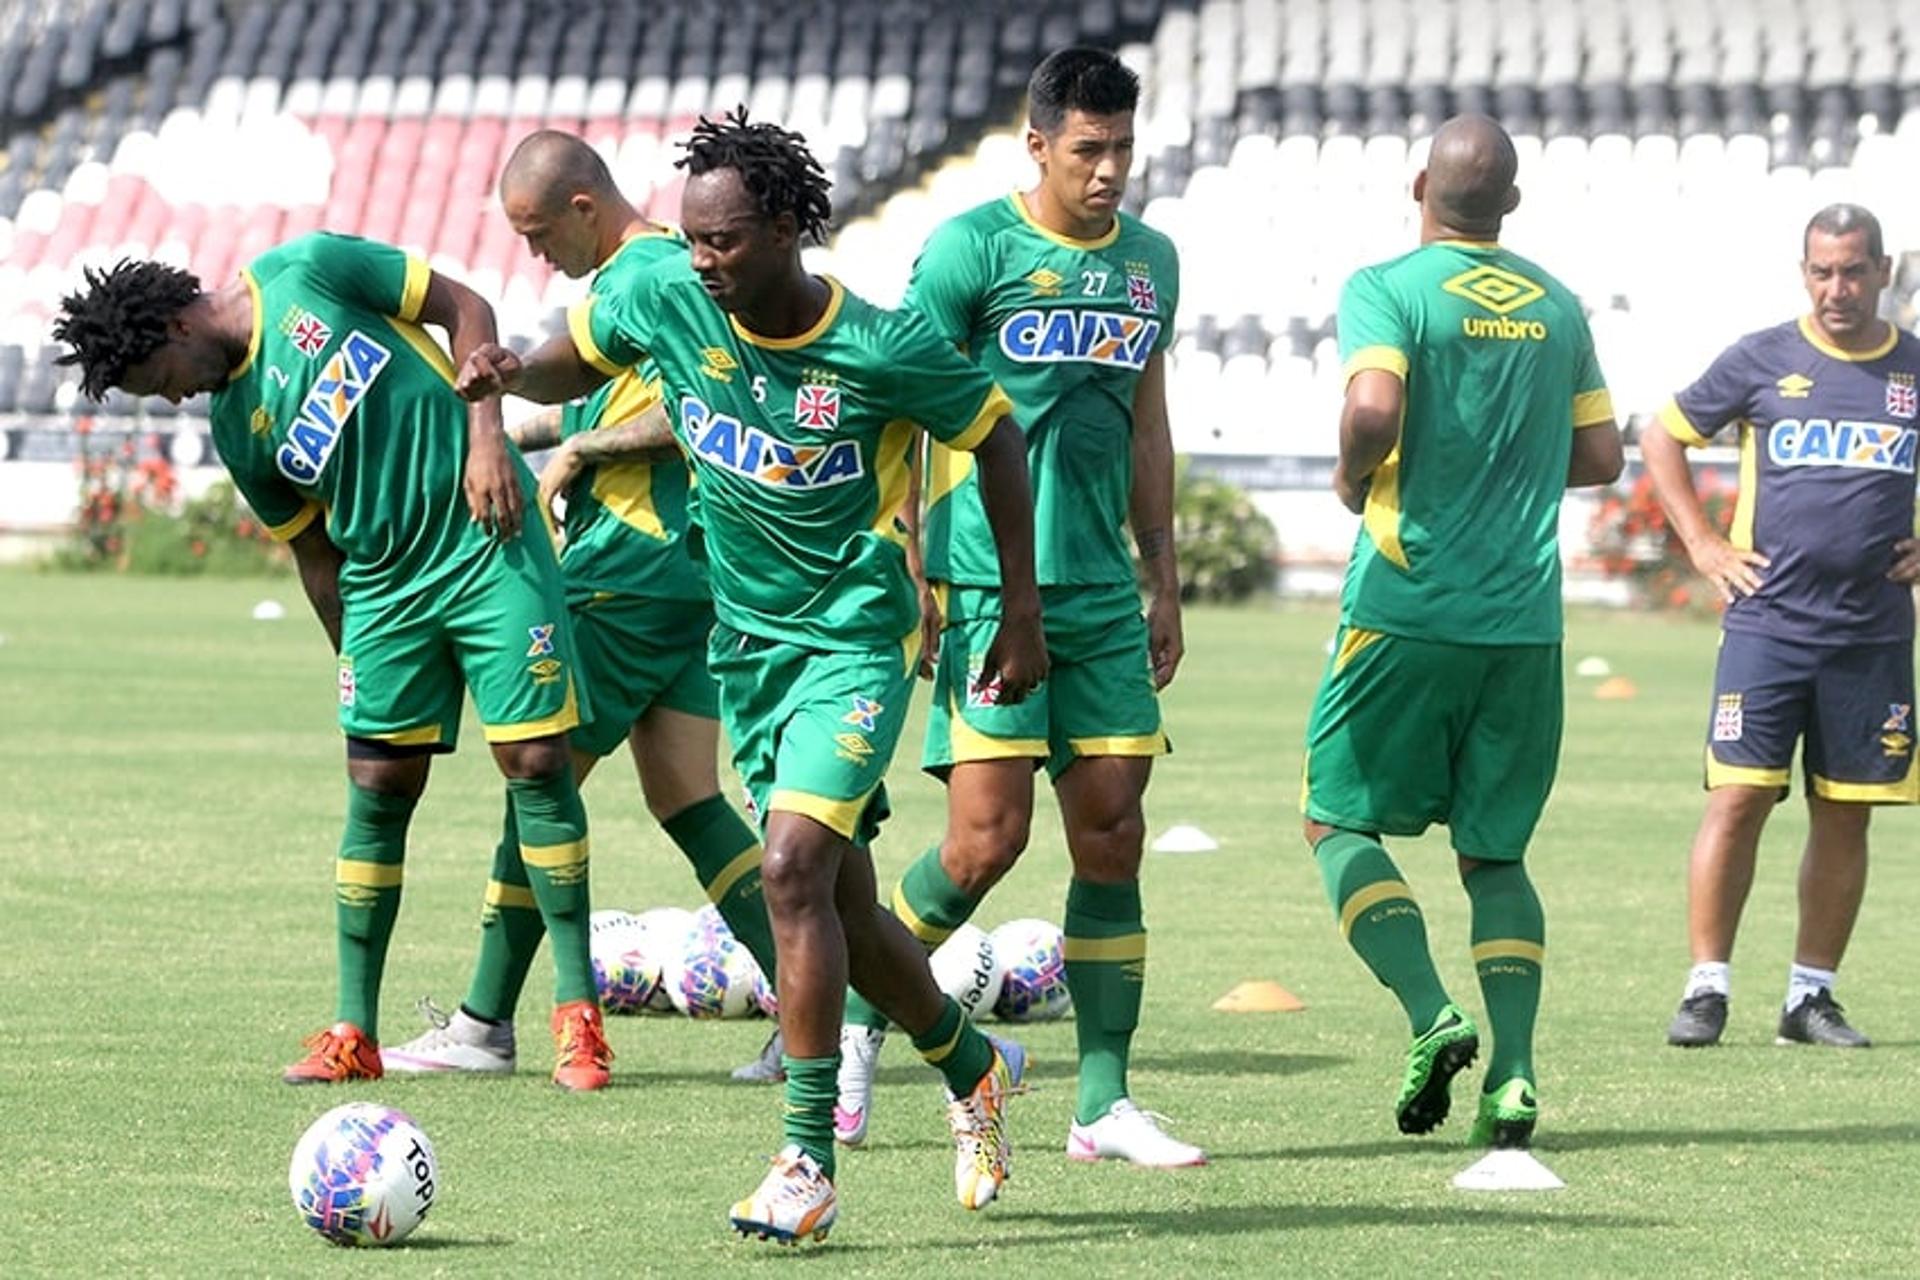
x=171, y=782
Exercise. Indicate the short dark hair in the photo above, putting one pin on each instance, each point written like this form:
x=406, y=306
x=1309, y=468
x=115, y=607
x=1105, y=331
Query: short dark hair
x=774, y=163
x=1079, y=79
x=1845, y=219
x=120, y=318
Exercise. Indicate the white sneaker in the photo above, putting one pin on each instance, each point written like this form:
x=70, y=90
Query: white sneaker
x=859, y=1052
x=767, y=1068
x=983, y=1153
x=1128, y=1133
x=793, y=1201
x=456, y=1042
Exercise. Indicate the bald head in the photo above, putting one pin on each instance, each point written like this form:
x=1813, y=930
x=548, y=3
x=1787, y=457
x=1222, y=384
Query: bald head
x=1469, y=177
x=548, y=168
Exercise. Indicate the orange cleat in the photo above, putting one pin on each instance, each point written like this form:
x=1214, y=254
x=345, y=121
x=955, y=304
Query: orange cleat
x=580, y=1047
x=340, y=1053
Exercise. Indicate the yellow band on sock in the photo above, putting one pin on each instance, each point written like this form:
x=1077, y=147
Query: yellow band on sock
x=934, y=1057
x=930, y=935
x=548, y=857
x=509, y=895
x=1509, y=949
x=1373, y=895
x=370, y=875
x=1132, y=946
x=747, y=859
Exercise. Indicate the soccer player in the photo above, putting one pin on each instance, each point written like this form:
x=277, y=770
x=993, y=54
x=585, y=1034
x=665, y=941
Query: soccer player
x=1818, y=641
x=797, y=403
x=1473, y=400
x=334, y=412
x=1069, y=304
x=639, y=606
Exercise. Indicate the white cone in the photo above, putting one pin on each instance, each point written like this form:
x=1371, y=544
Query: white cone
x=269, y=611
x=1507, y=1171
x=1182, y=837
x=1593, y=668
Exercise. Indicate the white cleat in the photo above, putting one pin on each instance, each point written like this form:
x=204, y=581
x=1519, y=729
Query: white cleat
x=453, y=1042
x=767, y=1068
x=859, y=1053
x=794, y=1201
x=983, y=1153
x=1128, y=1133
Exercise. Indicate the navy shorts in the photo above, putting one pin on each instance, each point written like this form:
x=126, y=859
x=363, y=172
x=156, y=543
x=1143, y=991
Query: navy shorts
x=1853, y=706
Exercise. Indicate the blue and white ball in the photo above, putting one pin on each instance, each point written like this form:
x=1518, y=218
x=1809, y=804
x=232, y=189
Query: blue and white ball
x=363, y=1174
x=1035, y=986
x=625, y=970
x=711, y=977
x=664, y=933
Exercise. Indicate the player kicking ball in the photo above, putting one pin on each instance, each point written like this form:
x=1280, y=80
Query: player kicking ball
x=335, y=414
x=796, y=402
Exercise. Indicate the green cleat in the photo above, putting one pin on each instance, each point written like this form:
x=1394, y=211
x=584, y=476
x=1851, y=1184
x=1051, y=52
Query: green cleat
x=1507, y=1115
x=1433, y=1060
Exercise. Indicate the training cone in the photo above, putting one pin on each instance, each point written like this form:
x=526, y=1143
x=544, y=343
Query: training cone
x=1260, y=996
x=1593, y=668
x=1616, y=689
x=269, y=611
x=1507, y=1171
x=1183, y=837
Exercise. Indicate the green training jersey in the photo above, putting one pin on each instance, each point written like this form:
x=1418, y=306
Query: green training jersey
x=799, y=446
x=627, y=521
x=344, y=407
x=1066, y=326
x=1460, y=541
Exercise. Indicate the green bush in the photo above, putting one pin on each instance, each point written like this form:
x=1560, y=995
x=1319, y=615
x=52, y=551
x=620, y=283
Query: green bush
x=1227, y=549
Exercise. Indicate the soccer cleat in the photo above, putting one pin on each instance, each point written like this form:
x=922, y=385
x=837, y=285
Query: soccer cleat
x=457, y=1042
x=1506, y=1118
x=859, y=1053
x=581, y=1055
x=342, y=1052
x=1127, y=1133
x=767, y=1068
x=983, y=1154
x=1819, y=1020
x=1699, y=1020
x=794, y=1201
x=1433, y=1060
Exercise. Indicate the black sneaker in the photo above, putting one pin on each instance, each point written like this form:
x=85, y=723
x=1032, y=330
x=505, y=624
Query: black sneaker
x=1700, y=1020
x=1818, y=1020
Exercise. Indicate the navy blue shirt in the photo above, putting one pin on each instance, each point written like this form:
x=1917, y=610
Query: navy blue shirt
x=1827, y=445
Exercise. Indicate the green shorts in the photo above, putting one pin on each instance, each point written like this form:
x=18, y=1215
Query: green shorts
x=1409, y=732
x=1098, y=698
x=813, y=731
x=497, y=626
x=639, y=654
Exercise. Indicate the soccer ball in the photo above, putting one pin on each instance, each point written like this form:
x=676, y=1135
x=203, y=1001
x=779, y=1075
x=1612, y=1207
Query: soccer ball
x=626, y=972
x=967, y=968
x=1035, y=989
x=363, y=1174
x=664, y=931
x=765, y=994
x=711, y=977
x=708, y=922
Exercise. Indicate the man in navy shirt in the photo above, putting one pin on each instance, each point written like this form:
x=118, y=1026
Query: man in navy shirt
x=1818, y=643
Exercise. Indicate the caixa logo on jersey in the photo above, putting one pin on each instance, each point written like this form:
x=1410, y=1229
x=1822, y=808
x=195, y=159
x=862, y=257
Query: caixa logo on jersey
x=728, y=443
x=343, y=383
x=1037, y=336
x=1818, y=442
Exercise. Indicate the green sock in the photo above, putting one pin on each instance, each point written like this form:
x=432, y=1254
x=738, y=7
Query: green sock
x=932, y=906
x=1382, y=922
x=366, y=893
x=956, y=1049
x=726, y=855
x=1509, y=948
x=553, y=845
x=1105, y=946
x=812, y=1089
x=510, y=932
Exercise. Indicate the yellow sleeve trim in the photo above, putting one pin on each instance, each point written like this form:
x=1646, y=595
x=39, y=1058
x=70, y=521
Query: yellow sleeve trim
x=413, y=293
x=298, y=525
x=580, y=330
x=1132, y=946
x=1372, y=896
x=995, y=407
x=1680, y=426
x=1390, y=359
x=842, y=817
x=1593, y=409
x=1509, y=949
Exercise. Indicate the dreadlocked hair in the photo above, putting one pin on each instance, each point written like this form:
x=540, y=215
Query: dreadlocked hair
x=774, y=163
x=120, y=319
